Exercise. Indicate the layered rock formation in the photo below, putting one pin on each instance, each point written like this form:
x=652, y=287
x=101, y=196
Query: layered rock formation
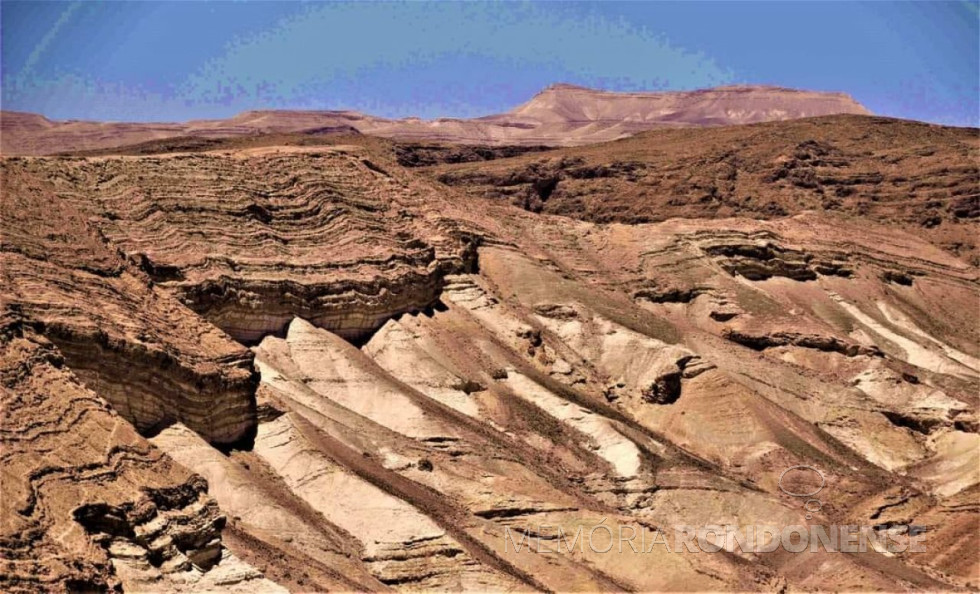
x=154, y=360
x=560, y=115
x=88, y=504
x=241, y=239
x=436, y=375
x=916, y=176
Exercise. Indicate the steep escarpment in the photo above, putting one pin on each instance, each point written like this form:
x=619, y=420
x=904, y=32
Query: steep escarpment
x=112, y=310
x=152, y=358
x=88, y=504
x=251, y=241
x=916, y=176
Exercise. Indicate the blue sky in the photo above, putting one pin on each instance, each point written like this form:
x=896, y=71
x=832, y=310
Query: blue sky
x=146, y=61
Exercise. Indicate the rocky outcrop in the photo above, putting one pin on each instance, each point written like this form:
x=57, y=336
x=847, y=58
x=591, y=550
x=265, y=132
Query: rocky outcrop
x=763, y=260
x=425, y=155
x=761, y=342
x=241, y=240
x=656, y=294
x=82, y=491
x=468, y=372
x=913, y=176
x=635, y=365
x=153, y=359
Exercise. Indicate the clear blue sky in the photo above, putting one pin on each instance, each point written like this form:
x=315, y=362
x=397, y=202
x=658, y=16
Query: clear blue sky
x=146, y=61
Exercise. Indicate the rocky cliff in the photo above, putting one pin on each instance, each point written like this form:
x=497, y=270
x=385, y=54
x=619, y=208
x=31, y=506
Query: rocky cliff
x=88, y=504
x=251, y=241
x=134, y=343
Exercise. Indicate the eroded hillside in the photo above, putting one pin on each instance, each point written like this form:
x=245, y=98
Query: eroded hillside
x=919, y=177
x=310, y=368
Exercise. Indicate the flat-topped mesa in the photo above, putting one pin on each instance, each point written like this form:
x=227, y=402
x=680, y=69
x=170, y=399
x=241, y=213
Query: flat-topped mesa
x=153, y=359
x=251, y=242
x=716, y=106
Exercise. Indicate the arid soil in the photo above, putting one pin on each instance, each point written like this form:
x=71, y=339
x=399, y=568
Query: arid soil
x=339, y=363
x=560, y=115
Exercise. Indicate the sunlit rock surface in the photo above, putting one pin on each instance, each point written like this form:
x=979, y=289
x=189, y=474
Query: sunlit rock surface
x=266, y=367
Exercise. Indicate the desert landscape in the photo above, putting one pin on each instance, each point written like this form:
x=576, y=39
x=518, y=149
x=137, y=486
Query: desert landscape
x=326, y=351
x=559, y=115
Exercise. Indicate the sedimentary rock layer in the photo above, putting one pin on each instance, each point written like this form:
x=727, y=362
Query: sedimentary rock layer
x=441, y=374
x=152, y=358
x=84, y=494
x=915, y=176
x=251, y=241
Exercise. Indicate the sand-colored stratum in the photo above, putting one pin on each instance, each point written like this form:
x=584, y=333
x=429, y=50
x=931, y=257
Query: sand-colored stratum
x=335, y=362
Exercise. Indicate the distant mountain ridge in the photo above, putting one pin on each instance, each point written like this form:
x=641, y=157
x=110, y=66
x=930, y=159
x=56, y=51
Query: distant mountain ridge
x=559, y=115
x=721, y=105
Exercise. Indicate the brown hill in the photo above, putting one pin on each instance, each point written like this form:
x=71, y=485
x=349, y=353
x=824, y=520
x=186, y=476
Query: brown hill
x=719, y=106
x=919, y=177
x=433, y=368
x=559, y=115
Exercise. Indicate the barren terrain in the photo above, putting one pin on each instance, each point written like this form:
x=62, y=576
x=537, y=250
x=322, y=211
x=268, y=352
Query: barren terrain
x=560, y=115
x=333, y=362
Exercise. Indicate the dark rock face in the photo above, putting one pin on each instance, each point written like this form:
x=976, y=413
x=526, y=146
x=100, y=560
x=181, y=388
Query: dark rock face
x=899, y=278
x=759, y=262
x=723, y=316
x=426, y=155
x=666, y=390
x=535, y=184
x=761, y=342
x=668, y=294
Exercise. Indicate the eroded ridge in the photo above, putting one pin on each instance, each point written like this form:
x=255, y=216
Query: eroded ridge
x=152, y=358
x=251, y=241
x=87, y=503
x=915, y=176
x=559, y=115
